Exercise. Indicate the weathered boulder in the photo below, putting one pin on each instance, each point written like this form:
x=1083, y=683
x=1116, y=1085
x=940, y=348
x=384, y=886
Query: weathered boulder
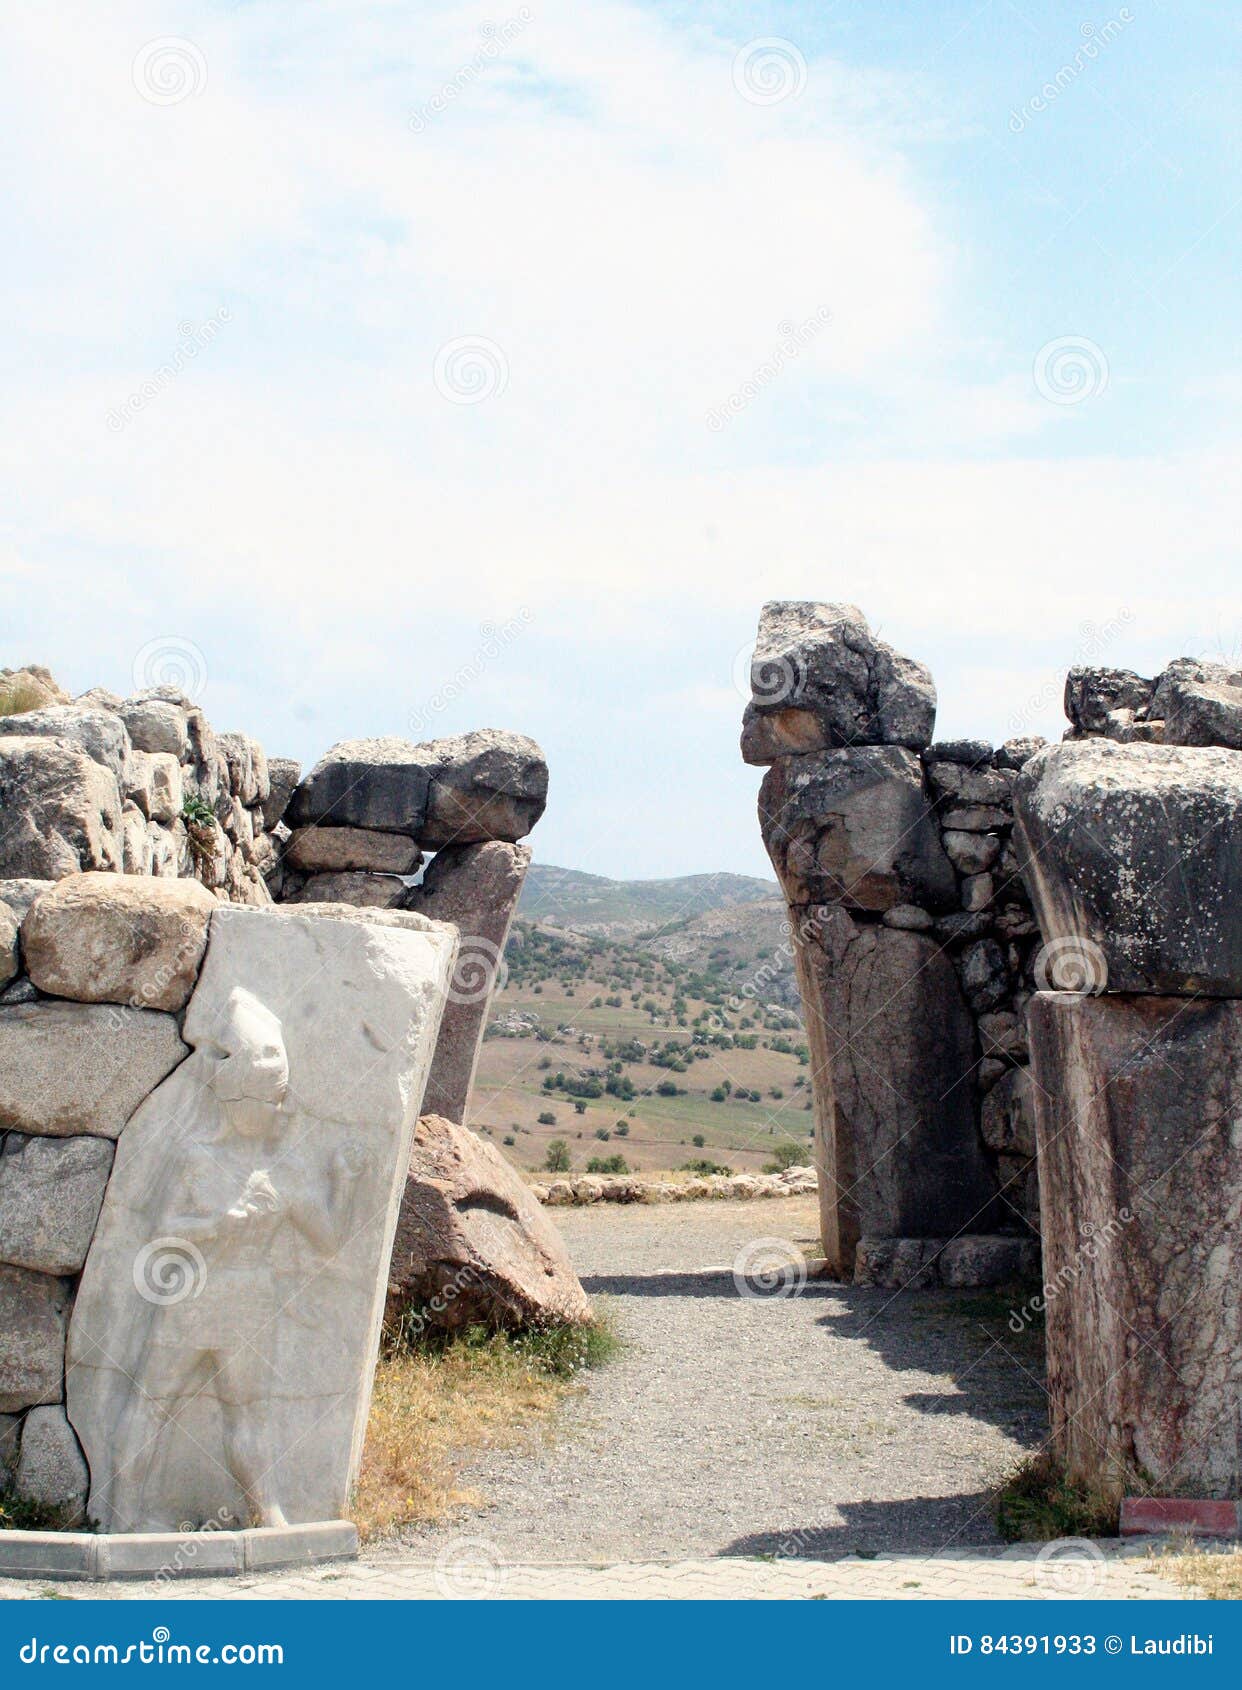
x=1093, y=693
x=283, y=776
x=476, y=887
x=50, y=1193
x=51, y=1469
x=320, y=850
x=376, y=891
x=1138, y=1110
x=62, y=809
x=892, y=1060
x=99, y=733
x=155, y=725
x=473, y=1245
x=1133, y=856
x=821, y=679
x=244, y=770
x=855, y=826
x=70, y=1068
x=1200, y=703
x=484, y=785
x=100, y=938
x=33, y=1311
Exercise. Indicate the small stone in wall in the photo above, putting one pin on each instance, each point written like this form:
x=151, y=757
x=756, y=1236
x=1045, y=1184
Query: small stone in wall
x=33, y=1313
x=374, y=891
x=10, y=953
x=51, y=1468
x=98, y=938
x=319, y=850
x=283, y=776
x=155, y=725
x=51, y=1190
x=70, y=1068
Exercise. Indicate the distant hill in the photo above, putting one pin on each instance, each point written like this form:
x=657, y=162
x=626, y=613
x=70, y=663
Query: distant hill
x=591, y=903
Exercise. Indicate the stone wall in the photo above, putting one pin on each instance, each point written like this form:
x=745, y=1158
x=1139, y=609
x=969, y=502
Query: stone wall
x=915, y=946
x=161, y=1250
x=145, y=786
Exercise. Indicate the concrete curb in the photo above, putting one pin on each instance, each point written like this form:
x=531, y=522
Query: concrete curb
x=96, y=1557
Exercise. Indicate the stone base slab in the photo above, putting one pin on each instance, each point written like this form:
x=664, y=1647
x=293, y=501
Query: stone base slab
x=968, y=1262
x=95, y=1557
x=1167, y=1516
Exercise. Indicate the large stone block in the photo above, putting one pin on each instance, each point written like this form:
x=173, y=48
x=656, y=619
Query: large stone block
x=892, y=1061
x=484, y=785
x=473, y=1246
x=1138, y=1109
x=324, y=850
x=854, y=826
x=51, y=1469
x=476, y=887
x=820, y=678
x=33, y=1308
x=71, y=1068
x=62, y=809
x=1133, y=858
x=1093, y=693
x=227, y=1323
x=50, y=1193
x=101, y=938
x=155, y=725
x=373, y=783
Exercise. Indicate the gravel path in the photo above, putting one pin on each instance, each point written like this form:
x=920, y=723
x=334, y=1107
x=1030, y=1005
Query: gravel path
x=820, y=1424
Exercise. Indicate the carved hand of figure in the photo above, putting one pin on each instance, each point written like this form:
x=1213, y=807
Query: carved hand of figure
x=352, y=1159
x=259, y=1197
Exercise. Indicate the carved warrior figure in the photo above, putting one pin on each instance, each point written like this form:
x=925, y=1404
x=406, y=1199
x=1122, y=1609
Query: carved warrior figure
x=224, y=1336
x=238, y=1229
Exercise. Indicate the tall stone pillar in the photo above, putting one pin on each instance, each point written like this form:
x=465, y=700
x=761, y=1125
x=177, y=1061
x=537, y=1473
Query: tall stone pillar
x=1133, y=854
x=854, y=832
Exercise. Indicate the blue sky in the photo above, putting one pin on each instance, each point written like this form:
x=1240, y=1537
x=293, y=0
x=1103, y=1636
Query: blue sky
x=395, y=368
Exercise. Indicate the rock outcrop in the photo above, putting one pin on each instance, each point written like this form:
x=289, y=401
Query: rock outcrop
x=473, y=1246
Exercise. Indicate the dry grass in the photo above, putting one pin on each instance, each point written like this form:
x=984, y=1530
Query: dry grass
x=1037, y=1503
x=431, y=1405
x=19, y=694
x=1216, y=1572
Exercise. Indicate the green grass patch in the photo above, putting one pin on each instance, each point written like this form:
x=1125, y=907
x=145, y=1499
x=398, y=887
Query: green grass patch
x=1038, y=1502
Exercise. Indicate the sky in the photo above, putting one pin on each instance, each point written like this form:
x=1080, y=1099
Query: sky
x=402, y=368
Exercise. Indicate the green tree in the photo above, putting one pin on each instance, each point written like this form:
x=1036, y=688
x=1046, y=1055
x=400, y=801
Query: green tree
x=557, y=1159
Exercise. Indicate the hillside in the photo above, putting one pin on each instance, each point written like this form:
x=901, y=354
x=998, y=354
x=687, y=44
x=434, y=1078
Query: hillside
x=590, y=903
x=673, y=1047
